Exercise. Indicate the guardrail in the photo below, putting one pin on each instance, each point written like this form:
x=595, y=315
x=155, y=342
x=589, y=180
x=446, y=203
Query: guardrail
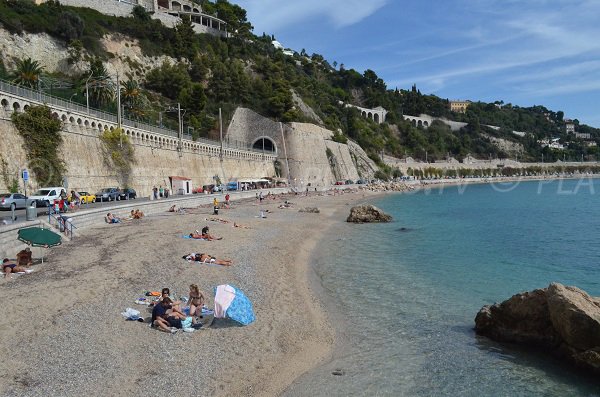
x=63, y=223
x=43, y=98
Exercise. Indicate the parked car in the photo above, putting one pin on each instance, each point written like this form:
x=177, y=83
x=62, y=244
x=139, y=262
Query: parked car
x=219, y=188
x=127, y=194
x=108, y=194
x=12, y=201
x=208, y=188
x=339, y=183
x=46, y=196
x=349, y=182
x=362, y=182
x=232, y=186
x=87, y=197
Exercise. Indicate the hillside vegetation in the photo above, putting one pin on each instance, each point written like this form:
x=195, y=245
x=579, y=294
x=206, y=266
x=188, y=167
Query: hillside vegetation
x=247, y=70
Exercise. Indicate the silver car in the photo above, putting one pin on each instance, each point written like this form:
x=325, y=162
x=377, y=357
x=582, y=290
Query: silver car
x=10, y=201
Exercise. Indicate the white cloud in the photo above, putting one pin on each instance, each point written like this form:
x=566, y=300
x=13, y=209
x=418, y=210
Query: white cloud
x=271, y=15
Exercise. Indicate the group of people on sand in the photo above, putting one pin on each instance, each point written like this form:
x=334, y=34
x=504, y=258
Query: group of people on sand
x=204, y=235
x=135, y=214
x=20, y=265
x=206, y=258
x=168, y=315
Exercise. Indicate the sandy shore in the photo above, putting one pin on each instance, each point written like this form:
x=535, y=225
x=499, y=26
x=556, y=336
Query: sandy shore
x=63, y=334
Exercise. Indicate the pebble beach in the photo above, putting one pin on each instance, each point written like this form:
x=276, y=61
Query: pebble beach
x=63, y=334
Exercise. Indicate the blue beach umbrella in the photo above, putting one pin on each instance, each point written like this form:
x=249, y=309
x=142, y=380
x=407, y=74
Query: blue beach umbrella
x=230, y=302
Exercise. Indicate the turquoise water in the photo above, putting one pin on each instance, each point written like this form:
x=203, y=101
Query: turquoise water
x=404, y=295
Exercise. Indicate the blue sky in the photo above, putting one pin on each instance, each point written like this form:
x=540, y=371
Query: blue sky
x=528, y=52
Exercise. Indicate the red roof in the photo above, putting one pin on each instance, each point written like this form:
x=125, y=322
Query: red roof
x=180, y=178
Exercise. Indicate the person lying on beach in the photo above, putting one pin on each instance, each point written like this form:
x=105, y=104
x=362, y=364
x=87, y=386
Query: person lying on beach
x=196, y=302
x=9, y=267
x=207, y=236
x=205, y=258
x=110, y=218
x=197, y=236
x=216, y=220
x=24, y=257
x=240, y=226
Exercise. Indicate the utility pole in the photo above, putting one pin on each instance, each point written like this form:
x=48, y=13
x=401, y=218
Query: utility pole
x=221, y=134
x=119, y=115
x=180, y=147
x=87, y=92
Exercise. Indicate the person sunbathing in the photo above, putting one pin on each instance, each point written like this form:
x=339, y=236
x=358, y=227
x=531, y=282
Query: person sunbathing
x=205, y=235
x=197, y=235
x=9, y=267
x=205, y=258
x=110, y=218
x=240, y=226
x=137, y=214
x=24, y=257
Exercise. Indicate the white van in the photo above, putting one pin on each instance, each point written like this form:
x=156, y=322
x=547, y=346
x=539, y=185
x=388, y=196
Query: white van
x=46, y=196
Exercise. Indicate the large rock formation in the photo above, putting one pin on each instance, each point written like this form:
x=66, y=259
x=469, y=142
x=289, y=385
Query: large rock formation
x=562, y=320
x=367, y=213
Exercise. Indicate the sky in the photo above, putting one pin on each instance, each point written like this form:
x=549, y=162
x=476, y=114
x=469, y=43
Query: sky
x=528, y=52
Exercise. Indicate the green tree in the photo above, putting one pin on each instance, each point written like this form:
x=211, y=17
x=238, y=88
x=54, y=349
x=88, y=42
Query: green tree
x=140, y=13
x=193, y=98
x=42, y=140
x=99, y=84
x=168, y=80
x=70, y=26
x=27, y=73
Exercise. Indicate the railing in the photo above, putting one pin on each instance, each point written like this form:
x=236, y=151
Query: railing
x=62, y=222
x=43, y=98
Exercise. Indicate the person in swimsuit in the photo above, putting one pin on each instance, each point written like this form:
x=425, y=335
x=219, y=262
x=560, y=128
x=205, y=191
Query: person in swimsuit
x=205, y=258
x=9, y=267
x=196, y=302
x=207, y=236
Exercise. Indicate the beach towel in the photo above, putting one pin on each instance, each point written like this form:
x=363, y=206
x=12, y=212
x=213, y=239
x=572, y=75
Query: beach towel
x=27, y=271
x=231, y=302
x=131, y=314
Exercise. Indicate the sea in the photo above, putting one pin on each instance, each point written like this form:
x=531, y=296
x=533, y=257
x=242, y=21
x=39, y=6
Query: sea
x=403, y=296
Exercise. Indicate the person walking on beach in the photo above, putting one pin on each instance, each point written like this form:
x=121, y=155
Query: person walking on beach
x=227, y=200
x=260, y=197
x=215, y=206
x=155, y=193
x=161, y=191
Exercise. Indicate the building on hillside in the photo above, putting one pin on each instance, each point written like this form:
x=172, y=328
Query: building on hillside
x=459, y=106
x=591, y=143
x=569, y=126
x=169, y=12
x=581, y=135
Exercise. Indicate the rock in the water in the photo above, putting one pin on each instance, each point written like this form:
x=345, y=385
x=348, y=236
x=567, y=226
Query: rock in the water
x=559, y=319
x=312, y=210
x=367, y=213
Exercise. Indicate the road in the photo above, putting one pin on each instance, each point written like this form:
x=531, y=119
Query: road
x=20, y=214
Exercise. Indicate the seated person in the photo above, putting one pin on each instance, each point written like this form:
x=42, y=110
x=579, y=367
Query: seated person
x=205, y=258
x=166, y=293
x=207, y=236
x=137, y=214
x=159, y=315
x=173, y=208
x=110, y=218
x=9, y=267
x=24, y=257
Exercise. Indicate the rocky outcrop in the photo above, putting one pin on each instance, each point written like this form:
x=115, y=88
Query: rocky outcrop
x=367, y=214
x=562, y=320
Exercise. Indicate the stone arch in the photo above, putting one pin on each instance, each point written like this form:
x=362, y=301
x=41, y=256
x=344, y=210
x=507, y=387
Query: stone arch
x=163, y=3
x=176, y=6
x=197, y=11
x=370, y=116
x=425, y=123
x=419, y=123
x=55, y=115
x=4, y=104
x=71, y=119
x=25, y=107
x=187, y=8
x=100, y=127
x=93, y=124
x=87, y=123
x=265, y=143
x=413, y=122
x=63, y=118
x=16, y=106
x=79, y=121
x=376, y=117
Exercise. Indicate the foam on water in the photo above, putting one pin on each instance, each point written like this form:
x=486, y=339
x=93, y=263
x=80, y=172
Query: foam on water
x=404, y=300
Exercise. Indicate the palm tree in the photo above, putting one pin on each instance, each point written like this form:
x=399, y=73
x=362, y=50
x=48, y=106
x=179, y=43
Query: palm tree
x=27, y=73
x=99, y=85
x=131, y=98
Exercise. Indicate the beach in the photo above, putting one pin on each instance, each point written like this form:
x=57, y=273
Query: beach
x=63, y=333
